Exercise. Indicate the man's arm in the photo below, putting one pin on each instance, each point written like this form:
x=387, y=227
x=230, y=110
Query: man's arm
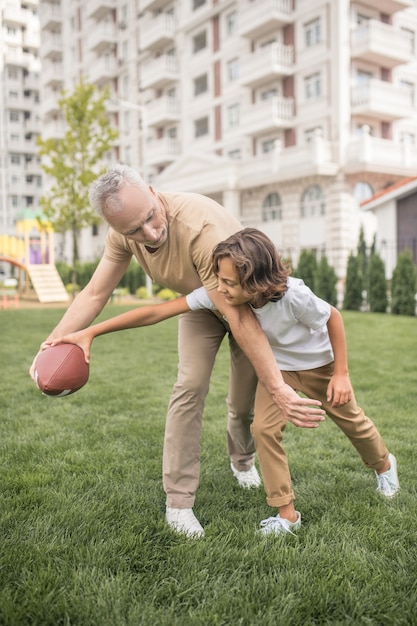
x=302, y=412
x=89, y=302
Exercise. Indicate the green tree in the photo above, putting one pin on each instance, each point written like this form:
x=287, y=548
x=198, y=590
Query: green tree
x=377, y=291
x=325, y=281
x=307, y=266
x=74, y=161
x=354, y=285
x=363, y=258
x=403, y=285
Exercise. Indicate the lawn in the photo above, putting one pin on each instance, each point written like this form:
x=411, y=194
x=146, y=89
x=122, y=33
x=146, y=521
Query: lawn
x=82, y=530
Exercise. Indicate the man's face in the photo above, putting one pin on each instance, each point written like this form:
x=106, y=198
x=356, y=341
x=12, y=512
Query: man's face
x=143, y=218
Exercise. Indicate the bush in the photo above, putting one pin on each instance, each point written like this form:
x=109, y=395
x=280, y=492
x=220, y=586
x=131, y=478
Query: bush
x=167, y=294
x=377, y=289
x=133, y=278
x=403, y=286
x=353, y=288
x=325, y=281
x=307, y=266
x=142, y=293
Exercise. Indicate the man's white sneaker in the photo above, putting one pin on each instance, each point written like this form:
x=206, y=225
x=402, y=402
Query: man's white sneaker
x=184, y=521
x=247, y=480
x=279, y=526
x=388, y=483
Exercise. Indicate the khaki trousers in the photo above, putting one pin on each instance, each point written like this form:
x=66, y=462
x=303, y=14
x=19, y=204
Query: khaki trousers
x=269, y=424
x=200, y=334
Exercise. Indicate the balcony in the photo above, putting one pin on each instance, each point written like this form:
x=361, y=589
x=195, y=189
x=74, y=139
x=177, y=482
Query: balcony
x=53, y=75
x=162, y=152
x=49, y=105
x=153, y=5
x=266, y=116
x=267, y=64
x=264, y=16
x=32, y=124
x=103, y=69
x=15, y=16
x=51, y=46
x=374, y=154
x=54, y=129
x=381, y=44
x=97, y=9
x=50, y=16
x=32, y=81
x=157, y=31
x=159, y=72
x=15, y=56
x=102, y=37
x=162, y=111
x=389, y=6
x=381, y=100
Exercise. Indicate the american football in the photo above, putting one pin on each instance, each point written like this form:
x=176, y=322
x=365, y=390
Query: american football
x=61, y=370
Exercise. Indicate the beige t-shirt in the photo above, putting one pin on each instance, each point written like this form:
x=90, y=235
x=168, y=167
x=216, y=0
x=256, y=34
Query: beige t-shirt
x=183, y=263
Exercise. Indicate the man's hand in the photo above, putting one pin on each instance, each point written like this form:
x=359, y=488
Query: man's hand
x=302, y=412
x=82, y=338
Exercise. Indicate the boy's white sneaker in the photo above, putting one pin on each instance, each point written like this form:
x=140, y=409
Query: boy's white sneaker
x=388, y=483
x=247, y=480
x=279, y=525
x=184, y=521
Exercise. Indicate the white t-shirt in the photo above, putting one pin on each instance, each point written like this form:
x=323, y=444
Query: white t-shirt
x=295, y=326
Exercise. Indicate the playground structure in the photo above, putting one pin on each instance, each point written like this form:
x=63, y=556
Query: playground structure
x=31, y=253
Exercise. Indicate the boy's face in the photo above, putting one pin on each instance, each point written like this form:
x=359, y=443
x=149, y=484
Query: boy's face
x=229, y=285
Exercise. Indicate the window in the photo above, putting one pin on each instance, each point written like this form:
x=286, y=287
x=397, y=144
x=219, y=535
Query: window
x=410, y=88
x=233, y=69
x=407, y=137
x=235, y=155
x=231, y=23
x=268, y=146
x=312, y=86
x=200, y=84
x=15, y=202
x=310, y=133
x=411, y=37
x=233, y=116
x=198, y=3
x=199, y=41
x=363, y=191
x=15, y=159
x=271, y=207
x=13, y=73
x=201, y=127
x=269, y=93
x=312, y=32
x=14, y=116
x=312, y=202
x=362, y=77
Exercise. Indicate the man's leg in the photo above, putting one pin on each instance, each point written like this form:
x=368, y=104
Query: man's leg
x=242, y=389
x=199, y=337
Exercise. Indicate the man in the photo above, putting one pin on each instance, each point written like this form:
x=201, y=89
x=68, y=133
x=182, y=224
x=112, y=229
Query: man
x=172, y=235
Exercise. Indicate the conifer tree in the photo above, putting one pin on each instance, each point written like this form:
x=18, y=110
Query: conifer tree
x=325, y=281
x=307, y=266
x=403, y=285
x=354, y=285
x=377, y=291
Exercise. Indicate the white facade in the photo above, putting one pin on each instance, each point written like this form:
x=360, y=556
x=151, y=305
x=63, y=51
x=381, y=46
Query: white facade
x=20, y=172
x=288, y=112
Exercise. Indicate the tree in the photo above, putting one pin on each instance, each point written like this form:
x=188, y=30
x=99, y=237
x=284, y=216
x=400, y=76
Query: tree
x=354, y=285
x=74, y=161
x=325, y=281
x=377, y=291
x=403, y=285
x=307, y=265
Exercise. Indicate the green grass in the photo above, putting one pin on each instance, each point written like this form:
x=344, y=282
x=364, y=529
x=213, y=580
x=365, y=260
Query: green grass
x=82, y=533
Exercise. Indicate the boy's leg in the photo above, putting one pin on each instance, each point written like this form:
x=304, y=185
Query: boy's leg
x=350, y=418
x=267, y=430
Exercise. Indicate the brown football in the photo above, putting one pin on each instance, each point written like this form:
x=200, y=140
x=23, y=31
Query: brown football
x=61, y=370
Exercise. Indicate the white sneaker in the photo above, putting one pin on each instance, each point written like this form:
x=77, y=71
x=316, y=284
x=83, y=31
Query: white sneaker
x=279, y=526
x=184, y=521
x=388, y=483
x=247, y=480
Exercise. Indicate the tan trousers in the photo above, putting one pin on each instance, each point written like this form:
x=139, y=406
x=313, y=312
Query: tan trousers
x=200, y=334
x=268, y=428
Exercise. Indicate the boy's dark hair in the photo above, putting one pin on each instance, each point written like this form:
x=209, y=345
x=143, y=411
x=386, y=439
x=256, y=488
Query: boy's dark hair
x=262, y=274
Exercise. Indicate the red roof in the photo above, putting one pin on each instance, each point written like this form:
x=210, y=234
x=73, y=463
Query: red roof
x=391, y=188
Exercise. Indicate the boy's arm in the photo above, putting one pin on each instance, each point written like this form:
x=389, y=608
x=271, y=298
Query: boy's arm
x=302, y=412
x=339, y=390
x=142, y=316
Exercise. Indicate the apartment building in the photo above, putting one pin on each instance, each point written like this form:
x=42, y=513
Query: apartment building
x=20, y=172
x=288, y=112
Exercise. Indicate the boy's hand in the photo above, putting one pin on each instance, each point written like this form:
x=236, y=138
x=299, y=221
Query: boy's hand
x=339, y=390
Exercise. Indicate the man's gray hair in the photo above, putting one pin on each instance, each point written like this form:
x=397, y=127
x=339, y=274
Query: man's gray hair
x=104, y=192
